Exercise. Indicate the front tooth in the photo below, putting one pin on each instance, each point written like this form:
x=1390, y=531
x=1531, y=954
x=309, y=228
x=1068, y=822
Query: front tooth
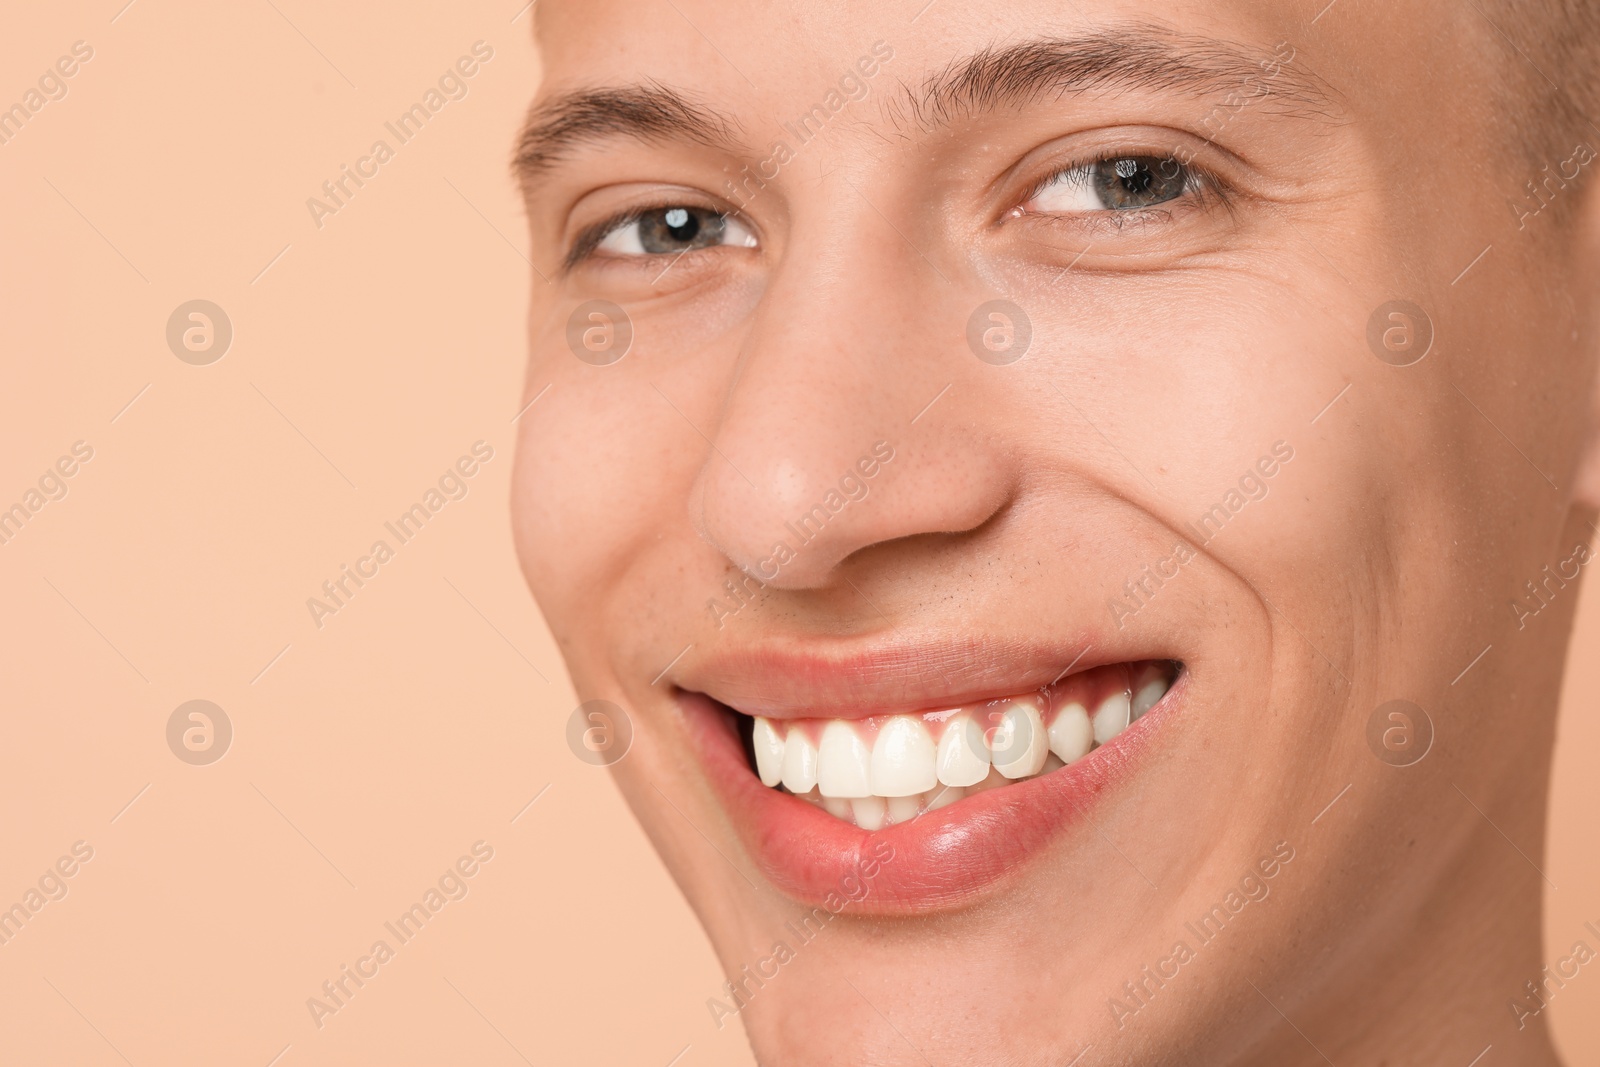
x=799, y=762
x=948, y=794
x=870, y=812
x=838, y=807
x=904, y=809
x=993, y=780
x=903, y=759
x=769, y=747
x=1147, y=696
x=963, y=753
x=843, y=762
x=1071, y=734
x=1019, y=745
x=1112, y=716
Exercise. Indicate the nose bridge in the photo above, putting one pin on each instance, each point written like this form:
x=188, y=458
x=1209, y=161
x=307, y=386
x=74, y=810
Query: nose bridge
x=821, y=458
x=811, y=397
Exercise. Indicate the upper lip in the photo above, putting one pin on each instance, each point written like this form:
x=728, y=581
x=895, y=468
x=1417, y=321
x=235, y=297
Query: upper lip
x=823, y=677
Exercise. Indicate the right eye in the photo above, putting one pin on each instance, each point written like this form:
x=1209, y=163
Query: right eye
x=1121, y=183
x=674, y=229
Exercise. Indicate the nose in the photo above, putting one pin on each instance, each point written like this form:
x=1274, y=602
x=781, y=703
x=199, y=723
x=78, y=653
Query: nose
x=828, y=444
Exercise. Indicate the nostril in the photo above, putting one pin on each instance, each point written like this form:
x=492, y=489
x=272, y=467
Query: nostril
x=797, y=531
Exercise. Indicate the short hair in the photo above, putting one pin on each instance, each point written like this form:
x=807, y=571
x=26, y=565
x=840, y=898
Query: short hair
x=1550, y=53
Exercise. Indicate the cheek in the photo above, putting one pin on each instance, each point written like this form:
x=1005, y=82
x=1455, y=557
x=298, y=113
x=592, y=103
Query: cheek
x=581, y=488
x=607, y=458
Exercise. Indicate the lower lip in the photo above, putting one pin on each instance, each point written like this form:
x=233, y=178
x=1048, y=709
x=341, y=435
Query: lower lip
x=944, y=859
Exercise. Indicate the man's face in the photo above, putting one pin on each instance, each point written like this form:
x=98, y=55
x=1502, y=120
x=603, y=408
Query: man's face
x=1028, y=386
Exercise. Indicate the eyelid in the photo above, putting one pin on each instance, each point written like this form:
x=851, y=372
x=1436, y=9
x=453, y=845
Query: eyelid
x=1205, y=181
x=590, y=237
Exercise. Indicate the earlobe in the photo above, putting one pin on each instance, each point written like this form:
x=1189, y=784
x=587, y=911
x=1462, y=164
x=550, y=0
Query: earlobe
x=1586, y=474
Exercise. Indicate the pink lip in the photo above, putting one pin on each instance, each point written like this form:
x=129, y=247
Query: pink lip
x=782, y=681
x=944, y=859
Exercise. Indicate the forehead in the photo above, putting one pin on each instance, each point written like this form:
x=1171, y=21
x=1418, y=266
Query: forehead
x=759, y=54
x=727, y=75
x=1401, y=73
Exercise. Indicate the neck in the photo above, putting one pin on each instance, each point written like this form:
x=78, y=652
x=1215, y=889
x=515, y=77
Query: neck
x=1457, y=982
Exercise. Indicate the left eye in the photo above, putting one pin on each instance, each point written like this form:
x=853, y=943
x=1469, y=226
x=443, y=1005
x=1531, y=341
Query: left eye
x=1124, y=183
x=663, y=231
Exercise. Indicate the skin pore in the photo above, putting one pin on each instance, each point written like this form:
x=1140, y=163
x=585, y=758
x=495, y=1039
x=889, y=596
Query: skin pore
x=1284, y=174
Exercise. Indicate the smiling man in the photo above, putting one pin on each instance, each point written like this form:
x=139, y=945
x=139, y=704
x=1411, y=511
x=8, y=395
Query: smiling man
x=1081, y=504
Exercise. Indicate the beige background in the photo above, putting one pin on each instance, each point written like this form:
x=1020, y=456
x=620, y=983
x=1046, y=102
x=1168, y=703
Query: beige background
x=370, y=753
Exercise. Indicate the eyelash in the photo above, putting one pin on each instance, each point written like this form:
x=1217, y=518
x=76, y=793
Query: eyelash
x=587, y=241
x=591, y=237
x=1201, y=187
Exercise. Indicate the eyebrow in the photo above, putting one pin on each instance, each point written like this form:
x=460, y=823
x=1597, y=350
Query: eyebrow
x=648, y=112
x=1127, y=57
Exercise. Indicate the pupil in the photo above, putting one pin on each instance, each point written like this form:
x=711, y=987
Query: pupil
x=1139, y=181
x=681, y=225
x=679, y=229
x=1135, y=176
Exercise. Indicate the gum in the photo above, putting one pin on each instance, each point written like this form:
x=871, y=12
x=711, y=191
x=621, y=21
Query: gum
x=1089, y=688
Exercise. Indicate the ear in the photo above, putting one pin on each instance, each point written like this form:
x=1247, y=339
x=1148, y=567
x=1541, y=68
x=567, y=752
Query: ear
x=1586, y=292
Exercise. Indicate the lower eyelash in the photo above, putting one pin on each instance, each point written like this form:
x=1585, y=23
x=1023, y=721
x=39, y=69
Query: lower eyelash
x=1106, y=222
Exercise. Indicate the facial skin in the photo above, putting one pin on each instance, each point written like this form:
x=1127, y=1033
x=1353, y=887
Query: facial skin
x=1170, y=350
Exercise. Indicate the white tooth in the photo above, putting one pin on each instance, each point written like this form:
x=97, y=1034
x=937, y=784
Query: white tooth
x=1148, y=695
x=904, y=809
x=768, y=744
x=1112, y=717
x=843, y=762
x=963, y=753
x=838, y=807
x=903, y=758
x=870, y=812
x=799, y=762
x=1019, y=745
x=993, y=780
x=1071, y=734
x=947, y=794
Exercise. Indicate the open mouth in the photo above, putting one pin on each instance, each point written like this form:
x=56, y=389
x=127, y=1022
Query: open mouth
x=876, y=771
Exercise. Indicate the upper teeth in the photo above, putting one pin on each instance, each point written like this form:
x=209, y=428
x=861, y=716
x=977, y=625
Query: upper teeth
x=885, y=770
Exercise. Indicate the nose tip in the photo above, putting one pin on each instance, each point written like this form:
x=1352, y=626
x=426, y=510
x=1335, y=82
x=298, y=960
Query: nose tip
x=789, y=523
x=794, y=531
